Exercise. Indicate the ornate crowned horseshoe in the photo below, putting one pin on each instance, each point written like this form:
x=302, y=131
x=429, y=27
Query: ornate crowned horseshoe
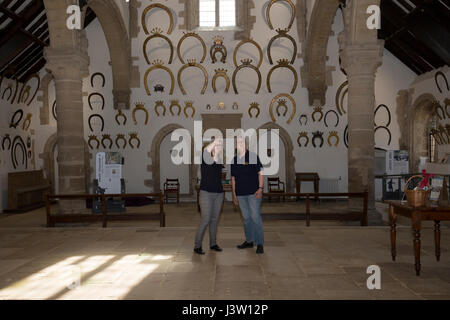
x=157, y=33
x=120, y=114
x=96, y=115
x=254, y=105
x=282, y=103
x=326, y=115
x=192, y=63
x=134, y=136
x=158, y=64
x=160, y=104
x=184, y=37
x=283, y=63
x=317, y=135
x=294, y=106
x=387, y=109
x=25, y=84
x=6, y=138
x=121, y=137
x=335, y=135
x=301, y=117
x=139, y=106
x=152, y=6
x=282, y=33
x=99, y=95
x=218, y=47
x=221, y=73
x=18, y=142
x=447, y=104
x=341, y=100
x=14, y=122
x=107, y=137
x=93, y=138
x=388, y=131
x=240, y=44
x=302, y=135
x=189, y=105
x=98, y=74
x=319, y=111
x=246, y=63
x=175, y=104
x=27, y=122
x=440, y=73
x=268, y=13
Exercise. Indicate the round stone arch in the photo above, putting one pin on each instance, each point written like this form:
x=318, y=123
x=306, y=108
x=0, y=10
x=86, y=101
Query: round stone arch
x=155, y=167
x=289, y=153
x=421, y=115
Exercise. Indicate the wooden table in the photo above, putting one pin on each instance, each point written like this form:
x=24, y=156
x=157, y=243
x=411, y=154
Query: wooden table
x=307, y=177
x=417, y=215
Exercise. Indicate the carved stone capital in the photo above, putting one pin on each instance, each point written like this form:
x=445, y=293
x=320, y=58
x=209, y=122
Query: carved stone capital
x=66, y=63
x=362, y=59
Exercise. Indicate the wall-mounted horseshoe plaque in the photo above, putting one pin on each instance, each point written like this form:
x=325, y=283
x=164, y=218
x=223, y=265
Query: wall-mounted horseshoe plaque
x=303, y=116
x=139, y=106
x=317, y=110
x=282, y=33
x=153, y=6
x=157, y=33
x=346, y=136
x=218, y=47
x=6, y=138
x=9, y=89
x=333, y=134
x=175, y=104
x=340, y=95
x=96, y=94
x=387, y=130
x=158, y=64
x=18, y=142
x=120, y=114
x=27, y=122
x=96, y=115
x=55, y=111
x=282, y=103
x=134, y=136
x=160, y=104
x=388, y=112
x=246, y=63
x=317, y=135
x=121, y=137
x=14, y=121
x=107, y=137
x=35, y=76
x=193, y=35
x=326, y=116
x=294, y=106
x=189, y=105
x=98, y=74
x=302, y=135
x=437, y=108
x=240, y=44
x=93, y=138
x=283, y=63
x=254, y=106
x=192, y=63
x=223, y=74
x=293, y=13
x=441, y=74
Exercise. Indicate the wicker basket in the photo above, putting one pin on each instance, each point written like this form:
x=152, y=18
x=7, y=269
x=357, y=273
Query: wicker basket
x=416, y=198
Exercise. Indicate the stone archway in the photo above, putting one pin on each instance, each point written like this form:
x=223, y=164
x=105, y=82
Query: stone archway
x=155, y=167
x=289, y=154
x=421, y=114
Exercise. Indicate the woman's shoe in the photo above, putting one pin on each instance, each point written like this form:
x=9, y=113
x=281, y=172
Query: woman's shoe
x=245, y=245
x=216, y=248
x=199, y=250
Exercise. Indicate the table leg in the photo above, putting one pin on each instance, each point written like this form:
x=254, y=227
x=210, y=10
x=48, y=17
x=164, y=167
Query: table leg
x=416, y=233
x=437, y=239
x=393, y=219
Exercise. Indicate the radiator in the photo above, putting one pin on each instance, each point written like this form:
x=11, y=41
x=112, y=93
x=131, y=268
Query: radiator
x=329, y=186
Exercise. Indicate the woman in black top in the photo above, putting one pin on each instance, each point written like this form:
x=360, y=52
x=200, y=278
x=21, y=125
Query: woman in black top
x=211, y=196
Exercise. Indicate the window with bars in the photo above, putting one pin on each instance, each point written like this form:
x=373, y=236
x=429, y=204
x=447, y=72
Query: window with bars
x=217, y=13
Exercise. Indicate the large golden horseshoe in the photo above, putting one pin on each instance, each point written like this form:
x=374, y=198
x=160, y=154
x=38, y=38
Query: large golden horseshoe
x=268, y=13
x=152, y=6
x=281, y=64
x=188, y=65
x=240, y=44
x=294, y=106
x=281, y=34
x=187, y=35
x=242, y=66
x=221, y=73
x=339, y=102
x=158, y=66
x=158, y=35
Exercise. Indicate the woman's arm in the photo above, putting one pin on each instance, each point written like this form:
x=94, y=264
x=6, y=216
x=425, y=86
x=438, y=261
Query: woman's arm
x=233, y=189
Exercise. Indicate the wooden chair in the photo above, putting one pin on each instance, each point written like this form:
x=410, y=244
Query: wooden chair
x=172, y=186
x=275, y=185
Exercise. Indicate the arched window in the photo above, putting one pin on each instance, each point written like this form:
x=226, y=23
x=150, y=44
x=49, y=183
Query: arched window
x=217, y=13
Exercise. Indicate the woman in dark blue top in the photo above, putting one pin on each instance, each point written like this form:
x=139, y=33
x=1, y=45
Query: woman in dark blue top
x=211, y=196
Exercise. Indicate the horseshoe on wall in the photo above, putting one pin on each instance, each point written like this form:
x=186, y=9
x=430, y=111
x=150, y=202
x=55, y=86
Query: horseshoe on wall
x=335, y=135
x=246, y=63
x=319, y=111
x=447, y=105
x=326, y=115
x=302, y=135
x=254, y=105
x=301, y=117
x=160, y=104
x=388, y=131
x=121, y=137
x=444, y=133
x=346, y=136
x=139, y=106
x=10, y=92
x=173, y=104
x=107, y=137
x=294, y=106
x=134, y=136
x=98, y=74
x=282, y=103
x=54, y=111
x=99, y=95
x=317, y=135
x=120, y=114
x=240, y=44
x=437, y=107
x=388, y=111
x=341, y=100
x=190, y=64
x=152, y=6
x=27, y=122
x=437, y=136
x=14, y=122
x=93, y=138
x=223, y=74
x=157, y=33
x=437, y=74
x=18, y=141
x=25, y=94
x=189, y=105
x=6, y=138
x=158, y=64
x=282, y=33
x=283, y=63
x=218, y=47
x=193, y=35
x=292, y=13
x=35, y=91
x=96, y=115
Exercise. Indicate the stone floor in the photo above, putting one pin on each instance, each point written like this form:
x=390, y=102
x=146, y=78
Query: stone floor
x=136, y=260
